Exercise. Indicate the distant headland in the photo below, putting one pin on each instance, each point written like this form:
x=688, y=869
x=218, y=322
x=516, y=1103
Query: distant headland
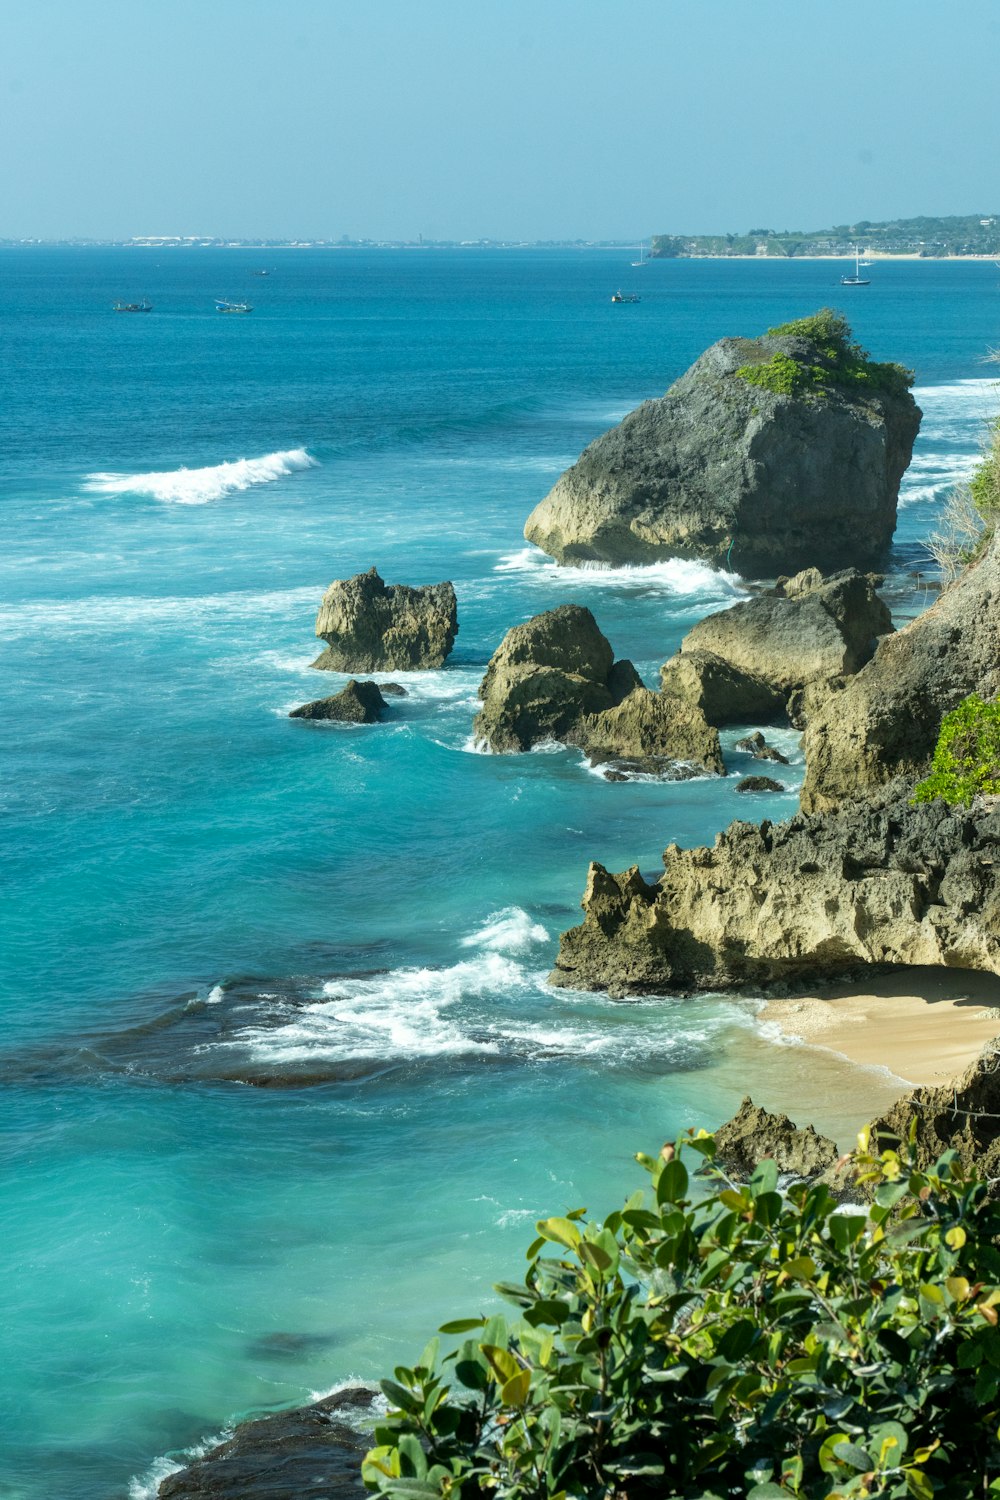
x=961, y=236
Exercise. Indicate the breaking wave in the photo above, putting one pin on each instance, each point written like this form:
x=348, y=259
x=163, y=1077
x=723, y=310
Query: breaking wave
x=677, y=576
x=199, y=486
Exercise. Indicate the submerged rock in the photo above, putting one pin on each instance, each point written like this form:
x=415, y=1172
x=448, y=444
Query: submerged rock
x=555, y=678
x=356, y=703
x=816, y=898
x=759, y=784
x=722, y=692
x=370, y=626
x=756, y=745
x=885, y=721
x=309, y=1451
x=807, y=629
x=723, y=468
x=754, y=1134
x=393, y=690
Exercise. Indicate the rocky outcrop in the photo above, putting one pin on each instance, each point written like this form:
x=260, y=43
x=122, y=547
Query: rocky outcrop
x=816, y=898
x=808, y=629
x=308, y=1451
x=885, y=721
x=722, y=692
x=370, y=626
x=653, y=733
x=754, y=1134
x=555, y=678
x=764, y=481
x=356, y=703
x=963, y=1116
x=759, y=784
x=756, y=745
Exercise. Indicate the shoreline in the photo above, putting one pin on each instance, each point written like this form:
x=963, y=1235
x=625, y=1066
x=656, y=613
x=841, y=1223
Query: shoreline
x=922, y=1025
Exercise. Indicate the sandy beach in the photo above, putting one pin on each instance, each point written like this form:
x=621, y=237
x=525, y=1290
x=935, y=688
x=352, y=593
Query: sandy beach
x=924, y=1025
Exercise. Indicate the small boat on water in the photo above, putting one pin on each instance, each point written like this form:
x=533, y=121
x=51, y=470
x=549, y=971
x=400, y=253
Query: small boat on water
x=621, y=296
x=221, y=305
x=262, y=273
x=143, y=306
x=857, y=279
x=643, y=257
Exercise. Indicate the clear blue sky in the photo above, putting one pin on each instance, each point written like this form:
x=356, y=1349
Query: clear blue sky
x=458, y=119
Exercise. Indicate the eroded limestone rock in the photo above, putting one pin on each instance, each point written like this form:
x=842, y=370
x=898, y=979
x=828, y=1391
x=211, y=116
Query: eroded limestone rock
x=370, y=626
x=754, y=1134
x=356, y=703
x=722, y=692
x=744, y=477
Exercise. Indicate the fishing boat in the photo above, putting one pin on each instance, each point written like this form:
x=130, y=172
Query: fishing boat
x=143, y=306
x=620, y=296
x=221, y=305
x=857, y=279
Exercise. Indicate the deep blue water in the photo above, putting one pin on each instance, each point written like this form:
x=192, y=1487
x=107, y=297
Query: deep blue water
x=196, y=890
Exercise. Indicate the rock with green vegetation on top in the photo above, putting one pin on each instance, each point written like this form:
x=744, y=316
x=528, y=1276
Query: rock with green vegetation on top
x=768, y=456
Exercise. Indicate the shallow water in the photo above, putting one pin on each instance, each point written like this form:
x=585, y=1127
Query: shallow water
x=284, y=1084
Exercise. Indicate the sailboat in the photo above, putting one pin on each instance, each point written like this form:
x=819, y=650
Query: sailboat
x=643, y=257
x=857, y=279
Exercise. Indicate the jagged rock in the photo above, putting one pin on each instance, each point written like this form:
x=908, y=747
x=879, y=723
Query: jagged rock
x=356, y=703
x=756, y=745
x=807, y=629
x=723, y=693
x=545, y=676
x=962, y=1116
x=393, y=690
x=819, y=897
x=744, y=477
x=759, y=784
x=885, y=721
x=653, y=733
x=291, y=1455
x=754, y=1133
x=373, y=627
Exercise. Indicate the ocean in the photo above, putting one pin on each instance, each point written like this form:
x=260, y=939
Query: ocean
x=283, y=1084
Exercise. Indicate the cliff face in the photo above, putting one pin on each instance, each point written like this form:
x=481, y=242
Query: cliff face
x=720, y=468
x=813, y=899
x=884, y=721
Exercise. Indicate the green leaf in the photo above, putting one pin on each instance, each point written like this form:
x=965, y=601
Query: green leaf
x=673, y=1182
x=828, y=1460
x=515, y=1390
x=764, y=1178
x=594, y=1255
x=502, y=1361
x=461, y=1325
x=918, y=1485
x=767, y=1491
x=853, y=1454
x=561, y=1231
x=397, y=1396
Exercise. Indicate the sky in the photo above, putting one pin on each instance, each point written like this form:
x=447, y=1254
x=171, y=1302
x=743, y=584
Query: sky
x=506, y=119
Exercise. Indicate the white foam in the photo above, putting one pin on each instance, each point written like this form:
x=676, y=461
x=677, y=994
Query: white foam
x=677, y=576
x=199, y=486
x=112, y=611
x=511, y=930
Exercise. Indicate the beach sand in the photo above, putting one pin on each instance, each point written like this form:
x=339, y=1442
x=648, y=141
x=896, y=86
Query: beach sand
x=923, y=1025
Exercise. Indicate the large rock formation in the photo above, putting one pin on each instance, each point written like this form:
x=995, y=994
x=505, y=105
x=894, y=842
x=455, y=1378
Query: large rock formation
x=724, y=693
x=764, y=480
x=885, y=721
x=307, y=1451
x=962, y=1116
x=370, y=626
x=807, y=629
x=356, y=703
x=555, y=678
x=816, y=898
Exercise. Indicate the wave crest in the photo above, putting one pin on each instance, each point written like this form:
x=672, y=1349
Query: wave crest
x=199, y=486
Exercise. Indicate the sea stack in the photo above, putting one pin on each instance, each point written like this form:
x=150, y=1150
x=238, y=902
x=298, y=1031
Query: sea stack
x=768, y=456
x=371, y=626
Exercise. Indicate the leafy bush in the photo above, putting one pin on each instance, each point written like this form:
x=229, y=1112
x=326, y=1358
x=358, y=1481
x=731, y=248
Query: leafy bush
x=716, y=1341
x=838, y=361
x=967, y=756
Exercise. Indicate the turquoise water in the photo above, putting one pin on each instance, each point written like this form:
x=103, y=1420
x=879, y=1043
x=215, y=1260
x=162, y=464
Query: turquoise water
x=200, y=895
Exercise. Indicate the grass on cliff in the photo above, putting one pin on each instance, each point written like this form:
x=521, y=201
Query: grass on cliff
x=835, y=362
x=969, y=516
x=966, y=760
x=715, y=1339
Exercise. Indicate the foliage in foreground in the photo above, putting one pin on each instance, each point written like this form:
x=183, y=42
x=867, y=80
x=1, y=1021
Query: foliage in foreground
x=969, y=517
x=715, y=1341
x=838, y=362
x=966, y=760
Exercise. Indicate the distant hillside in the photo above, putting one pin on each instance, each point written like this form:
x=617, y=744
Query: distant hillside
x=973, y=234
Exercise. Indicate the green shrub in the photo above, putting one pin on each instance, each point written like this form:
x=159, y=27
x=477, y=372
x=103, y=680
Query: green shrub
x=967, y=757
x=714, y=1340
x=839, y=362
